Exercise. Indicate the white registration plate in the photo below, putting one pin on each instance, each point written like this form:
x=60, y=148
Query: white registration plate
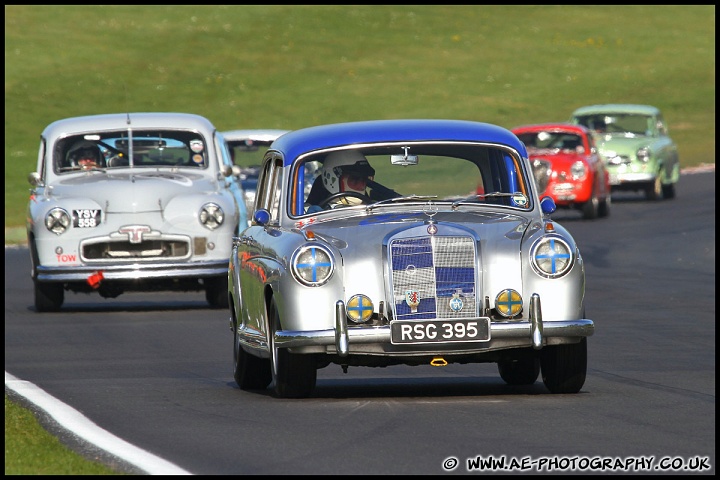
x=440, y=331
x=614, y=180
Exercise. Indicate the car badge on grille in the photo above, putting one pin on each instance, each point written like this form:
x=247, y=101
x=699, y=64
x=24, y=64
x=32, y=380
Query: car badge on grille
x=135, y=232
x=456, y=303
x=412, y=298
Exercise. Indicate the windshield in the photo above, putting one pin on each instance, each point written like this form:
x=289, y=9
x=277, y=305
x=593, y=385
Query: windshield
x=391, y=174
x=150, y=148
x=618, y=123
x=552, y=141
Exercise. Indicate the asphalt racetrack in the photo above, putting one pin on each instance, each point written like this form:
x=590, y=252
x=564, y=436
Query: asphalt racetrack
x=151, y=375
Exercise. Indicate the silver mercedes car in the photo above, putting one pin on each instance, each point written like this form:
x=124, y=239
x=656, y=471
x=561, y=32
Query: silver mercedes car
x=132, y=201
x=420, y=242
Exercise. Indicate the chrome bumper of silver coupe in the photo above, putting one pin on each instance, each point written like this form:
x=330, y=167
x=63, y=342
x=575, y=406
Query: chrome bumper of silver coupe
x=534, y=332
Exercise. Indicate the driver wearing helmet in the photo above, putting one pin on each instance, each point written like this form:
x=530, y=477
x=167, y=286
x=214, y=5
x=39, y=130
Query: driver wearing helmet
x=345, y=175
x=85, y=155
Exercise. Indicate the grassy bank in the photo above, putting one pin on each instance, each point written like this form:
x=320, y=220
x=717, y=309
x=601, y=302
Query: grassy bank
x=278, y=66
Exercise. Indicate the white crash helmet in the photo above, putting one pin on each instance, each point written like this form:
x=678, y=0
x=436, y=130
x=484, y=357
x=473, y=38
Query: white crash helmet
x=344, y=162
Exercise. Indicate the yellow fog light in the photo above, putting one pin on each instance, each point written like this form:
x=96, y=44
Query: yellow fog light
x=508, y=303
x=359, y=309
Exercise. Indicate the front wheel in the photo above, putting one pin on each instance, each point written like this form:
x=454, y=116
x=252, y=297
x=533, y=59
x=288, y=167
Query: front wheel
x=250, y=372
x=604, y=209
x=519, y=371
x=668, y=191
x=216, y=292
x=294, y=375
x=653, y=190
x=590, y=208
x=564, y=366
x=49, y=297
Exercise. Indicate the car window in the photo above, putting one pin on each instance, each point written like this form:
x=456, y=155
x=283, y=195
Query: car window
x=150, y=148
x=269, y=192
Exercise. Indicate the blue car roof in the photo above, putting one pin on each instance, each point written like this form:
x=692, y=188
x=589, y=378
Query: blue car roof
x=310, y=139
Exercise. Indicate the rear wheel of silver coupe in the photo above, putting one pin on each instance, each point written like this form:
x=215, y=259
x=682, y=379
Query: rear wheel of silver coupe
x=250, y=372
x=519, y=371
x=294, y=375
x=216, y=291
x=564, y=366
x=49, y=297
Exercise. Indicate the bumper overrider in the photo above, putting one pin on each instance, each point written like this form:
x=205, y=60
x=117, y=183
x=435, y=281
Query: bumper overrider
x=501, y=335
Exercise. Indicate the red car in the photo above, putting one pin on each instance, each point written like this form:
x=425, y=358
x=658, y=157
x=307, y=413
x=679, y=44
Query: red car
x=567, y=167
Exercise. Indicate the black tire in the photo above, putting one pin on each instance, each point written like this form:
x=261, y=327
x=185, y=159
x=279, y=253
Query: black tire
x=250, y=372
x=668, y=191
x=216, y=292
x=49, y=297
x=519, y=371
x=591, y=208
x=564, y=366
x=294, y=375
x=604, y=208
x=654, y=190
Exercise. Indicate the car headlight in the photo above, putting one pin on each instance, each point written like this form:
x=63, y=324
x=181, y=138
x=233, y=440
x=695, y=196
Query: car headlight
x=508, y=303
x=552, y=257
x=211, y=216
x=643, y=154
x=578, y=170
x=312, y=265
x=57, y=221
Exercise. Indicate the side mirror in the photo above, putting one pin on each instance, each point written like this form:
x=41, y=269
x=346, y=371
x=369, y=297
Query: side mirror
x=547, y=205
x=34, y=179
x=261, y=217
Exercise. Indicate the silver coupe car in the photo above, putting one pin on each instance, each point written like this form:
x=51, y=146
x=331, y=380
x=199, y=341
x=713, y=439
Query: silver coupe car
x=133, y=201
x=420, y=242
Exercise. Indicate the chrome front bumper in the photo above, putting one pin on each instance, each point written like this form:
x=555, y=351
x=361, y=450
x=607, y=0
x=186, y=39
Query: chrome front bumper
x=510, y=334
x=134, y=271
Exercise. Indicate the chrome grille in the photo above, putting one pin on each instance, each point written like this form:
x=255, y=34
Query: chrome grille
x=435, y=271
x=146, y=250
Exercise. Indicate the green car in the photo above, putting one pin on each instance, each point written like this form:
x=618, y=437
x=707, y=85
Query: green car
x=634, y=141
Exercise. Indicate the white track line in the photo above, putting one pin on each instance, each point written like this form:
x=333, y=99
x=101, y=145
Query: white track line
x=75, y=422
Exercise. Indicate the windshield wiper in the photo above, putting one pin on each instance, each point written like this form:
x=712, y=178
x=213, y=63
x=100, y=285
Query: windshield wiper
x=479, y=196
x=404, y=198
